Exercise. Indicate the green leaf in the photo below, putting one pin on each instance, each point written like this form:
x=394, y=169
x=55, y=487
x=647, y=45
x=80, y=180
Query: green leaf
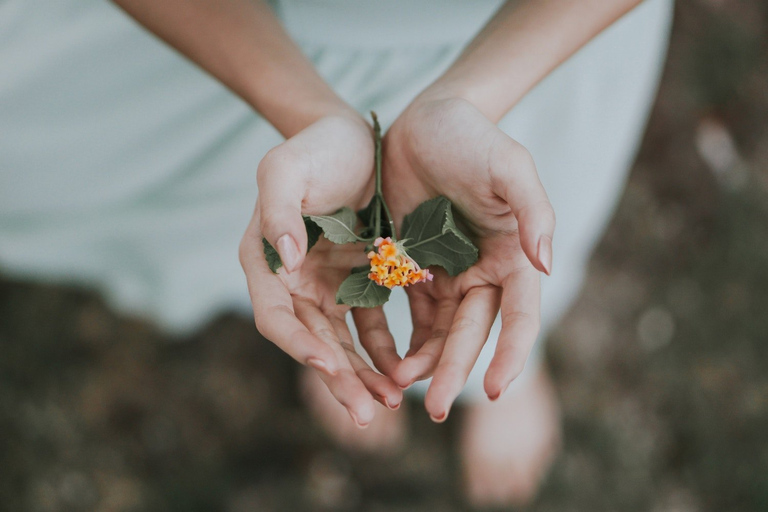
x=432, y=237
x=359, y=291
x=273, y=258
x=339, y=228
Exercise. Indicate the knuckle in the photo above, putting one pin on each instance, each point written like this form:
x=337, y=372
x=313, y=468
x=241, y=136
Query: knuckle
x=243, y=251
x=451, y=370
x=522, y=320
x=265, y=320
x=258, y=319
x=274, y=165
x=547, y=211
x=326, y=334
x=270, y=160
x=521, y=157
x=541, y=209
x=270, y=223
x=377, y=329
x=439, y=334
x=384, y=350
x=465, y=323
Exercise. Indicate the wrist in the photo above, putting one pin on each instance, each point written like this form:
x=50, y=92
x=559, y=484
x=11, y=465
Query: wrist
x=293, y=111
x=483, y=93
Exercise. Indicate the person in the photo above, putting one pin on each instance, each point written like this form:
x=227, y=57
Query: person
x=127, y=167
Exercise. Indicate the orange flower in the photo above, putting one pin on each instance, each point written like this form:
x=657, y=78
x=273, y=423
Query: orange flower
x=391, y=266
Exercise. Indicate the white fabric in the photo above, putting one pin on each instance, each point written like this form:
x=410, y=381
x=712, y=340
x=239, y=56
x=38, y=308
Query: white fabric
x=124, y=167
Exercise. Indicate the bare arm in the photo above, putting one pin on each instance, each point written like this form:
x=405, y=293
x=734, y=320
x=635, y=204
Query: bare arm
x=325, y=163
x=447, y=143
x=243, y=45
x=522, y=44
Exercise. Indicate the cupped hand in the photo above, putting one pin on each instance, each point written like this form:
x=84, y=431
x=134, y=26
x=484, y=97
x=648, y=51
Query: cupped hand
x=324, y=167
x=442, y=145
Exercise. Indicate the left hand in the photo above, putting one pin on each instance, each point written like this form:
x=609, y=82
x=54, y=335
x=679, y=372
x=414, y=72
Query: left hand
x=445, y=146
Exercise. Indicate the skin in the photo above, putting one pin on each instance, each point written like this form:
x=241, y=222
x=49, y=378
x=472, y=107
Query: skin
x=446, y=143
x=452, y=316
x=325, y=163
x=297, y=309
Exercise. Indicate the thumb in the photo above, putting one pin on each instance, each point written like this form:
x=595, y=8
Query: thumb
x=281, y=191
x=515, y=180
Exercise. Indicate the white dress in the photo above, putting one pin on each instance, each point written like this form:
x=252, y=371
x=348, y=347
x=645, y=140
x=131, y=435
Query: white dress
x=126, y=168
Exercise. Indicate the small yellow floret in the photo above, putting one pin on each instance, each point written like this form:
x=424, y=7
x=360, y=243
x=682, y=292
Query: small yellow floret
x=391, y=266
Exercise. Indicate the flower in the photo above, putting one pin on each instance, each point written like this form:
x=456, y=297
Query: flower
x=391, y=266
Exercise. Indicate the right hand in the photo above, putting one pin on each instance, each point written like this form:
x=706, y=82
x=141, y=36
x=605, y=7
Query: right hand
x=322, y=168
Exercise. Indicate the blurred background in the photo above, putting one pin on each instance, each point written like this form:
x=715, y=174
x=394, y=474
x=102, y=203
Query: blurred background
x=661, y=365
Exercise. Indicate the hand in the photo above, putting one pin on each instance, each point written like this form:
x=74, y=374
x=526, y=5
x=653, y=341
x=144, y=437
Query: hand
x=443, y=145
x=324, y=167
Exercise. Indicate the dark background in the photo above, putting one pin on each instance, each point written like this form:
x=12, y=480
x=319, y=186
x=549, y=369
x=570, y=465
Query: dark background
x=660, y=365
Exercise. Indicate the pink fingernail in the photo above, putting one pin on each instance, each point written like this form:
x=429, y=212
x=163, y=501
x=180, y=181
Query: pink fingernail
x=386, y=402
x=289, y=252
x=319, y=365
x=496, y=397
x=545, y=253
x=406, y=386
x=439, y=419
x=357, y=422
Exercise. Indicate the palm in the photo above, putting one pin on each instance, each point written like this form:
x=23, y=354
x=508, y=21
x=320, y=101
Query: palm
x=448, y=148
x=318, y=279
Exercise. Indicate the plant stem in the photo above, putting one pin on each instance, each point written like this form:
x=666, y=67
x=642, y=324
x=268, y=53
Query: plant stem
x=379, y=193
x=377, y=143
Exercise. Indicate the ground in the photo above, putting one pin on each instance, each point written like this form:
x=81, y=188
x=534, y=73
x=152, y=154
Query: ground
x=661, y=365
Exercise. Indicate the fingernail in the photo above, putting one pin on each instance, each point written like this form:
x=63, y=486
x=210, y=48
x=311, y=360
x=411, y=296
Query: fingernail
x=439, y=419
x=497, y=395
x=319, y=365
x=391, y=407
x=545, y=253
x=357, y=422
x=406, y=386
x=289, y=252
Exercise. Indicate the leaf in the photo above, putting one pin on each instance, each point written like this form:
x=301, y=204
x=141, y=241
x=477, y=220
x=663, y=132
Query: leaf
x=432, y=237
x=359, y=291
x=273, y=258
x=339, y=228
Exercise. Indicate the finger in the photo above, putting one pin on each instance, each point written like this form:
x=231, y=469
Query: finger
x=423, y=310
x=280, y=197
x=345, y=386
x=520, y=323
x=383, y=389
x=514, y=177
x=420, y=365
x=273, y=308
x=468, y=334
x=373, y=331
